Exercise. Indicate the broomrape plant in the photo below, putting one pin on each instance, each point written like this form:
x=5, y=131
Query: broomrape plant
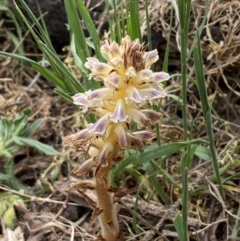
x=128, y=86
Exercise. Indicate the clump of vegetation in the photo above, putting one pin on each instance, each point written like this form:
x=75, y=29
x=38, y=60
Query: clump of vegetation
x=14, y=135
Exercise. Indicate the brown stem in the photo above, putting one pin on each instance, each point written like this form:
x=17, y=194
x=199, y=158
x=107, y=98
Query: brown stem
x=108, y=217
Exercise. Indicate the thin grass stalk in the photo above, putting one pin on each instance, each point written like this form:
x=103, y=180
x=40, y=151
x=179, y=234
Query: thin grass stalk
x=123, y=21
x=115, y=16
x=40, y=30
x=165, y=68
x=110, y=21
x=166, y=150
x=184, y=16
x=206, y=111
x=76, y=30
x=135, y=20
x=185, y=201
x=200, y=29
x=152, y=176
x=178, y=223
x=79, y=46
x=165, y=174
x=90, y=27
x=166, y=56
x=236, y=226
x=134, y=221
x=148, y=27
x=62, y=77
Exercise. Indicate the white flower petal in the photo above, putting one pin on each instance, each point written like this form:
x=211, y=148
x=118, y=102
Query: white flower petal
x=103, y=154
x=119, y=112
x=84, y=167
x=106, y=50
x=117, y=62
x=151, y=115
x=115, y=49
x=137, y=116
x=145, y=74
x=99, y=127
x=80, y=99
x=120, y=131
x=90, y=99
x=113, y=81
x=133, y=95
x=150, y=58
x=135, y=142
x=80, y=136
x=91, y=62
x=143, y=135
x=130, y=72
x=126, y=43
x=152, y=93
x=97, y=68
x=160, y=76
x=102, y=94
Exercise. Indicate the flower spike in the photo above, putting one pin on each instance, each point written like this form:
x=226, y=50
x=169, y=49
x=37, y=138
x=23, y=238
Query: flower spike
x=128, y=86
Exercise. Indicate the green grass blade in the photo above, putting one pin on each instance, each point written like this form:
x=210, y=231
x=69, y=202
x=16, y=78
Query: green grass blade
x=122, y=22
x=68, y=81
x=90, y=27
x=206, y=110
x=44, y=71
x=110, y=21
x=229, y=178
x=63, y=94
x=46, y=149
x=17, y=42
x=200, y=28
x=148, y=26
x=185, y=201
x=178, y=223
x=135, y=20
x=71, y=84
x=122, y=165
x=165, y=174
x=184, y=17
x=166, y=56
x=49, y=75
x=236, y=227
x=76, y=30
x=116, y=22
x=44, y=36
x=165, y=150
x=203, y=153
x=155, y=182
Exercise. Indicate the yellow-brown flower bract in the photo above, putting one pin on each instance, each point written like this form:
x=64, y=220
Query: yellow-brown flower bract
x=128, y=85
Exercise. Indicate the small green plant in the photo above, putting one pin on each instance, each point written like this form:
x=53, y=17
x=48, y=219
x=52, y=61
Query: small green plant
x=12, y=20
x=13, y=135
x=7, y=212
x=16, y=133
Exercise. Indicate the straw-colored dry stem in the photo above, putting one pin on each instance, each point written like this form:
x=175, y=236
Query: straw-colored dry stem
x=108, y=217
